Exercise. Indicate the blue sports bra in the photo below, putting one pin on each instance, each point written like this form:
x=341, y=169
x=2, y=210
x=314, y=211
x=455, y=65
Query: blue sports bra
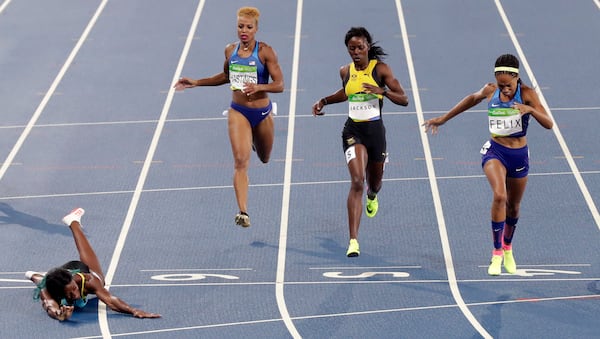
x=246, y=70
x=503, y=119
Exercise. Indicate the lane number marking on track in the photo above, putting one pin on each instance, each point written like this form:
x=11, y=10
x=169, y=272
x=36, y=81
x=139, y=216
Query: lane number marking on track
x=339, y=275
x=192, y=276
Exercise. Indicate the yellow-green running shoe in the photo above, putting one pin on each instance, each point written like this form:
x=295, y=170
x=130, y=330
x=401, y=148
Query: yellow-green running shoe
x=353, y=249
x=509, y=262
x=495, y=267
x=372, y=207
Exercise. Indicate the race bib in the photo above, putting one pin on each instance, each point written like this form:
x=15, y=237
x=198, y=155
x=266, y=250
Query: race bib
x=242, y=74
x=504, y=121
x=350, y=153
x=485, y=147
x=363, y=107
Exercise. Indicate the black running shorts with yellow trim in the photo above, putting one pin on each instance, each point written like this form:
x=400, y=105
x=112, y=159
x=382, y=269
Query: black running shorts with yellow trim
x=370, y=134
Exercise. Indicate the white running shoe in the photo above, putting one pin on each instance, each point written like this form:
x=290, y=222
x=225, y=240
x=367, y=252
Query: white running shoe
x=30, y=274
x=242, y=219
x=75, y=215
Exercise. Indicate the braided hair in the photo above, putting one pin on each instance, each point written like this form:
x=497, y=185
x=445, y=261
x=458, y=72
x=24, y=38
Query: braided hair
x=375, y=52
x=54, y=282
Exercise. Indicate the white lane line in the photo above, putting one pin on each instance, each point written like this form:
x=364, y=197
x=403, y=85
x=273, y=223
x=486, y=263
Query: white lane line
x=4, y=5
x=50, y=92
x=304, y=116
x=505, y=278
x=195, y=269
x=362, y=267
x=434, y=188
x=27, y=281
x=287, y=179
x=563, y=145
x=304, y=183
x=347, y=314
x=102, y=315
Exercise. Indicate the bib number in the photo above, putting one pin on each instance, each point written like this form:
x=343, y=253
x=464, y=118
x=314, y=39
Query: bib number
x=350, y=153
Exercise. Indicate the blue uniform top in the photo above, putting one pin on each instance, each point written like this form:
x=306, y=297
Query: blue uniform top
x=496, y=104
x=247, y=70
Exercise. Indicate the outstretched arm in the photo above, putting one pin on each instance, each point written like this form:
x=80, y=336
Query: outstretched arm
x=118, y=305
x=463, y=105
x=337, y=96
x=215, y=80
x=334, y=98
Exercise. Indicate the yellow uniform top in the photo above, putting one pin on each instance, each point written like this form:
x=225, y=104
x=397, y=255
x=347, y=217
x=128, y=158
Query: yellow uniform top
x=356, y=79
x=363, y=106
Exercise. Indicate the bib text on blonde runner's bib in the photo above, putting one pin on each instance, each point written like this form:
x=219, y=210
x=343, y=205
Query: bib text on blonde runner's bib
x=242, y=74
x=504, y=121
x=363, y=107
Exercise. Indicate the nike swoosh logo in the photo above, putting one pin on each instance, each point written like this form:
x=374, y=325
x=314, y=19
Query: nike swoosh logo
x=234, y=61
x=265, y=113
x=495, y=105
x=520, y=169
